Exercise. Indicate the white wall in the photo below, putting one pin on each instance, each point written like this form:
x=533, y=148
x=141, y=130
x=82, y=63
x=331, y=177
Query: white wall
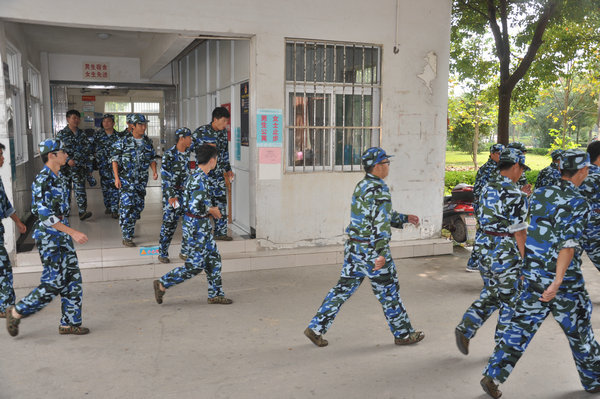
x=314, y=208
x=68, y=67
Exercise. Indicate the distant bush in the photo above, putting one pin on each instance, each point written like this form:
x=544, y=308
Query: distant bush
x=539, y=151
x=452, y=178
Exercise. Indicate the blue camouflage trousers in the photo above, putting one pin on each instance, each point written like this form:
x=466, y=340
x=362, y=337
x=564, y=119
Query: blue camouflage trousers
x=76, y=179
x=131, y=205
x=384, y=283
x=499, y=291
x=572, y=310
x=591, y=239
x=110, y=193
x=219, y=199
x=202, y=255
x=169, y=225
x=7, y=293
x=473, y=262
x=60, y=275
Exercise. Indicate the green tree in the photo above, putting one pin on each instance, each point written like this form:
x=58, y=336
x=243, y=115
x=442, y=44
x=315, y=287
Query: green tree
x=518, y=28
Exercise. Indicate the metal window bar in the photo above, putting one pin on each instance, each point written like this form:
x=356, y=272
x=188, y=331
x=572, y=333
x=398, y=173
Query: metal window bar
x=359, y=82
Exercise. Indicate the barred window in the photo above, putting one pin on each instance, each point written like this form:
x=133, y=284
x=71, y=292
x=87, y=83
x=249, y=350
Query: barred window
x=34, y=78
x=150, y=109
x=333, y=104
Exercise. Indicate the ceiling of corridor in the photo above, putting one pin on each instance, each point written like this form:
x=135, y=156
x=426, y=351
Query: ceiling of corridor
x=155, y=50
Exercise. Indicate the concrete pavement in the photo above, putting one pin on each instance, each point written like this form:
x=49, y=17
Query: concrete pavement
x=255, y=348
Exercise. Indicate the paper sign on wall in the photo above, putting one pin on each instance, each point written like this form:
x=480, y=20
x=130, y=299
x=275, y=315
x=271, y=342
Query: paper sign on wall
x=269, y=130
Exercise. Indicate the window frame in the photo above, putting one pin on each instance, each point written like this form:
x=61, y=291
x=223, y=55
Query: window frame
x=332, y=88
x=16, y=87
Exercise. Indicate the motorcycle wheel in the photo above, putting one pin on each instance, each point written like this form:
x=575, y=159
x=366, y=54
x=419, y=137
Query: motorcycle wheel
x=459, y=233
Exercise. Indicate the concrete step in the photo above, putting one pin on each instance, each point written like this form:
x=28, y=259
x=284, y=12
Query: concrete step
x=238, y=255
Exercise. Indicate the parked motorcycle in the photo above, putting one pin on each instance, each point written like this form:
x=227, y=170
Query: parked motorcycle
x=458, y=212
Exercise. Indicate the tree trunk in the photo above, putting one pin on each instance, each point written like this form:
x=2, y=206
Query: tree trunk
x=503, y=115
x=476, y=143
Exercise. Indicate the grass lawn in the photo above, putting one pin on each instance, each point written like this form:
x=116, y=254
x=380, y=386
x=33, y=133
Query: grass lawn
x=463, y=160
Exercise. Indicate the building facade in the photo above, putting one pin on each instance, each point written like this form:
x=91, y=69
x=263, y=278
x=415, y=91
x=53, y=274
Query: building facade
x=310, y=85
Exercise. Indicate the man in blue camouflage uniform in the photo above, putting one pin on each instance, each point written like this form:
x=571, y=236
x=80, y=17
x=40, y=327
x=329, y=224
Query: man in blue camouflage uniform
x=488, y=171
x=132, y=155
x=76, y=170
x=54, y=240
x=590, y=188
x=522, y=184
x=502, y=215
x=550, y=175
x=174, y=171
x=218, y=130
x=203, y=253
x=104, y=140
x=7, y=293
x=367, y=254
x=553, y=282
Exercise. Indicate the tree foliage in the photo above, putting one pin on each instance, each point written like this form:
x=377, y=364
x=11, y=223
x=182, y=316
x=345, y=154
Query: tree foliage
x=532, y=40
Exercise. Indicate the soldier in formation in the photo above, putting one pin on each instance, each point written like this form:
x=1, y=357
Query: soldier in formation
x=590, y=188
x=367, y=254
x=7, y=293
x=203, y=253
x=552, y=280
x=486, y=172
x=502, y=215
x=132, y=156
x=76, y=170
x=217, y=129
x=550, y=175
x=174, y=172
x=104, y=140
x=54, y=240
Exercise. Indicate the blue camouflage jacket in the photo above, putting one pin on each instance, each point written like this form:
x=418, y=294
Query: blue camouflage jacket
x=103, y=147
x=223, y=164
x=49, y=202
x=133, y=160
x=78, y=148
x=174, y=172
x=559, y=215
x=372, y=216
x=486, y=171
x=548, y=176
x=196, y=197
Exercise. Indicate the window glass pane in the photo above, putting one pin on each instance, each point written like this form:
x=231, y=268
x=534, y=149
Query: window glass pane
x=329, y=62
x=300, y=62
x=153, y=129
x=289, y=61
x=147, y=108
x=120, y=122
x=115, y=106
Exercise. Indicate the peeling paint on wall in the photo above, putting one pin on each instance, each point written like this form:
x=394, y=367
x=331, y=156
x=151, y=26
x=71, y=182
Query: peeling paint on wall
x=430, y=70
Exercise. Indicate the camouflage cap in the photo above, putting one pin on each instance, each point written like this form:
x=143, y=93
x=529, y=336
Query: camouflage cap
x=513, y=155
x=138, y=118
x=50, y=145
x=574, y=160
x=183, y=132
x=373, y=156
x=128, y=118
x=496, y=148
x=556, y=154
x=518, y=145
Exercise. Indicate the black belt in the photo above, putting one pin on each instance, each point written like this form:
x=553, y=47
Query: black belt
x=359, y=240
x=195, y=216
x=497, y=234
